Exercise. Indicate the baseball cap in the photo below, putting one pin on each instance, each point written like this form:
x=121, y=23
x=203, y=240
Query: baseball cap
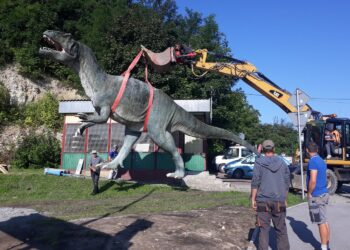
x=268, y=144
x=93, y=152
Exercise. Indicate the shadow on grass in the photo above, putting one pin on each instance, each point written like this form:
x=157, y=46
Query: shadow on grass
x=119, y=209
x=106, y=186
x=119, y=186
x=180, y=188
x=36, y=231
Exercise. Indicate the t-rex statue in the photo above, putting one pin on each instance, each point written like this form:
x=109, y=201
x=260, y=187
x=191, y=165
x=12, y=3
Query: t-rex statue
x=102, y=88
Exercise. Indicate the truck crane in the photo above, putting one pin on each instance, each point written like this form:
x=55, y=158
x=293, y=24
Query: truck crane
x=338, y=166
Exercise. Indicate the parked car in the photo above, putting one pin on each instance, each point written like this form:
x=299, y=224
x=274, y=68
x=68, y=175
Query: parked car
x=243, y=168
x=231, y=154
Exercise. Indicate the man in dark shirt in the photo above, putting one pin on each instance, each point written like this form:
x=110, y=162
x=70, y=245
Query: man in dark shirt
x=317, y=193
x=95, y=170
x=270, y=185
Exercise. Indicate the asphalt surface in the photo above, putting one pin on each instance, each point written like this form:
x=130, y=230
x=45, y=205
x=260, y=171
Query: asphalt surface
x=304, y=235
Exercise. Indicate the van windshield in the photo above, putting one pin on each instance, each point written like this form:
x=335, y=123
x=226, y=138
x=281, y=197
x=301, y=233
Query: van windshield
x=232, y=153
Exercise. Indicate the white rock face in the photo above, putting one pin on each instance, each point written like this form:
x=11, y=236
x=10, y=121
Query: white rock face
x=24, y=90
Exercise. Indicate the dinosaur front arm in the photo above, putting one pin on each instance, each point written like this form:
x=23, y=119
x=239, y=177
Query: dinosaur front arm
x=100, y=115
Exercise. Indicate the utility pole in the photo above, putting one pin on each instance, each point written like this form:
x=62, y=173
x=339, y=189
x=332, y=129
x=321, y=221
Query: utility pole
x=300, y=144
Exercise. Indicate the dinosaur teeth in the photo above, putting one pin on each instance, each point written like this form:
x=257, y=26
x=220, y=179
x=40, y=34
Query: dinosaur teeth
x=52, y=43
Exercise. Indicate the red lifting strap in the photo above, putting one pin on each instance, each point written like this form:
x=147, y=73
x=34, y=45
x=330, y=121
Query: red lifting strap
x=126, y=75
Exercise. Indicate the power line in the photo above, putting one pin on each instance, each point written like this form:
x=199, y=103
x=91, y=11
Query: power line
x=318, y=99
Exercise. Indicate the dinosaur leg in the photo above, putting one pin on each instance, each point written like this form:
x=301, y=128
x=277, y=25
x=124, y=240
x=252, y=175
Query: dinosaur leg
x=129, y=140
x=166, y=141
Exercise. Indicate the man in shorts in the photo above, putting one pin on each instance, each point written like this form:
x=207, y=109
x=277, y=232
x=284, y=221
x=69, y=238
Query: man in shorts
x=317, y=193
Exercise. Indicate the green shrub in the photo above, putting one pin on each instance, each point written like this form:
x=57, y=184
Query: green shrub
x=37, y=151
x=5, y=105
x=44, y=112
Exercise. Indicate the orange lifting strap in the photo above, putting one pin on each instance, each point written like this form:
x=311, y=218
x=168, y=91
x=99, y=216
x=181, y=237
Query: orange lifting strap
x=126, y=75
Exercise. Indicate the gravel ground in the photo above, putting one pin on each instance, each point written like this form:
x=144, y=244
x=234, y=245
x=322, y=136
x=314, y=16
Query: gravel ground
x=6, y=213
x=219, y=228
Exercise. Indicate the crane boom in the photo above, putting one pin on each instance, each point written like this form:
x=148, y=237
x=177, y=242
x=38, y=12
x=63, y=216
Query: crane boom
x=250, y=75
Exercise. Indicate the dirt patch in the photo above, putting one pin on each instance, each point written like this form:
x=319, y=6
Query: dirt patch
x=219, y=228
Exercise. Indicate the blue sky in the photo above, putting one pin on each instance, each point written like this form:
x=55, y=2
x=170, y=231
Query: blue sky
x=296, y=43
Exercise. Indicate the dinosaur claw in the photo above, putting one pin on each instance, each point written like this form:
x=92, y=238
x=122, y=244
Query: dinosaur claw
x=82, y=116
x=176, y=175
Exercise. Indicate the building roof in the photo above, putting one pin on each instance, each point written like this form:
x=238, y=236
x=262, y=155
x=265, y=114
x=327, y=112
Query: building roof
x=85, y=106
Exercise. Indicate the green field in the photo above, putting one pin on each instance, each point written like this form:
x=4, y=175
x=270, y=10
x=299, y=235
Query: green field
x=69, y=198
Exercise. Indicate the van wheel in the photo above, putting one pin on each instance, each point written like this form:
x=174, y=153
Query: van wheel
x=332, y=182
x=238, y=174
x=221, y=168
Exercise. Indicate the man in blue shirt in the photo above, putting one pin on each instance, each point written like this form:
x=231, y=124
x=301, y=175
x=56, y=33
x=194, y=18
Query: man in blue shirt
x=114, y=152
x=112, y=155
x=317, y=193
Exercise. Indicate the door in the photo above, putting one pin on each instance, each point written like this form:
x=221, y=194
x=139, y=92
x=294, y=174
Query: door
x=347, y=141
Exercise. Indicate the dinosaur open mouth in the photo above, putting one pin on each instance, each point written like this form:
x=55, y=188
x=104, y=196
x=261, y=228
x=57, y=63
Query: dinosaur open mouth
x=53, y=45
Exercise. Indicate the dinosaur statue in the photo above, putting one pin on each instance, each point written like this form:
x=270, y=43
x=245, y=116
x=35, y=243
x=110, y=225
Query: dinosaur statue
x=165, y=115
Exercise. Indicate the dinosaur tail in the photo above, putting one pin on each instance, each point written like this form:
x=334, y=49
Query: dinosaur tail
x=190, y=125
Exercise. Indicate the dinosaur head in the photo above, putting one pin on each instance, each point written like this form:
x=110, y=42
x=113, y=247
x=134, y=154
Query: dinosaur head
x=61, y=46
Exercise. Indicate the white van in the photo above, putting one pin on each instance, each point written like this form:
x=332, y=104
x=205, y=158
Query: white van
x=231, y=154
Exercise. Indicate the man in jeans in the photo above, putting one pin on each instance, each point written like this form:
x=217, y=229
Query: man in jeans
x=95, y=169
x=270, y=185
x=317, y=193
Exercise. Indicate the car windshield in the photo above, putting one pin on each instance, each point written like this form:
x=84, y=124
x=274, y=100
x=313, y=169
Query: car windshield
x=285, y=160
x=249, y=159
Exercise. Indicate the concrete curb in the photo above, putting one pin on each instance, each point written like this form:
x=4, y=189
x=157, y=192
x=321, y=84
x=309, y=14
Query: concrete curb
x=251, y=245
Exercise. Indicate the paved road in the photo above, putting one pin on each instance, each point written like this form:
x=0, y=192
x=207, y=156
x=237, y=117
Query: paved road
x=304, y=235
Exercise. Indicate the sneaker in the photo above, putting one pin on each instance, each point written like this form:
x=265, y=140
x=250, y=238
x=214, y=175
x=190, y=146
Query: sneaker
x=329, y=156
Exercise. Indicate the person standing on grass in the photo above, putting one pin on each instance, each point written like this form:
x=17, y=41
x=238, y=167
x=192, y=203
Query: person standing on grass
x=112, y=155
x=317, y=193
x=95, y=170
x=269, y=190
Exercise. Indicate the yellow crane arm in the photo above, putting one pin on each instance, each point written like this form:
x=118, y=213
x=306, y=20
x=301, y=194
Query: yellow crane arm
x=250, y=75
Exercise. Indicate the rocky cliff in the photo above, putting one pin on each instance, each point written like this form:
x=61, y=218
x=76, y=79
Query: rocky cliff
x=23, y=91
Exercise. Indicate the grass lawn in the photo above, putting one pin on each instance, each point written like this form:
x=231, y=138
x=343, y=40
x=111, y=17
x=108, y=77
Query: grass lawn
x=69, y=198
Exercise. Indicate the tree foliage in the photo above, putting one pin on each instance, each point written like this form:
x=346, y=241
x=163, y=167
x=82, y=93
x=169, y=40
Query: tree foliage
x=4, y=104
x=43, y=112
x=9, y=112
x=282, y=133
x=115, y=29
x=37, y=151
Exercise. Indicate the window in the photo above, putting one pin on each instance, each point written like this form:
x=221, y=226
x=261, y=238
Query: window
x=347, y=134
x=232, y=153
x=98, y=138
x=144, y=144
x=245, y=152
x=118, y=134
x=73, y=144
x=249, y=160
